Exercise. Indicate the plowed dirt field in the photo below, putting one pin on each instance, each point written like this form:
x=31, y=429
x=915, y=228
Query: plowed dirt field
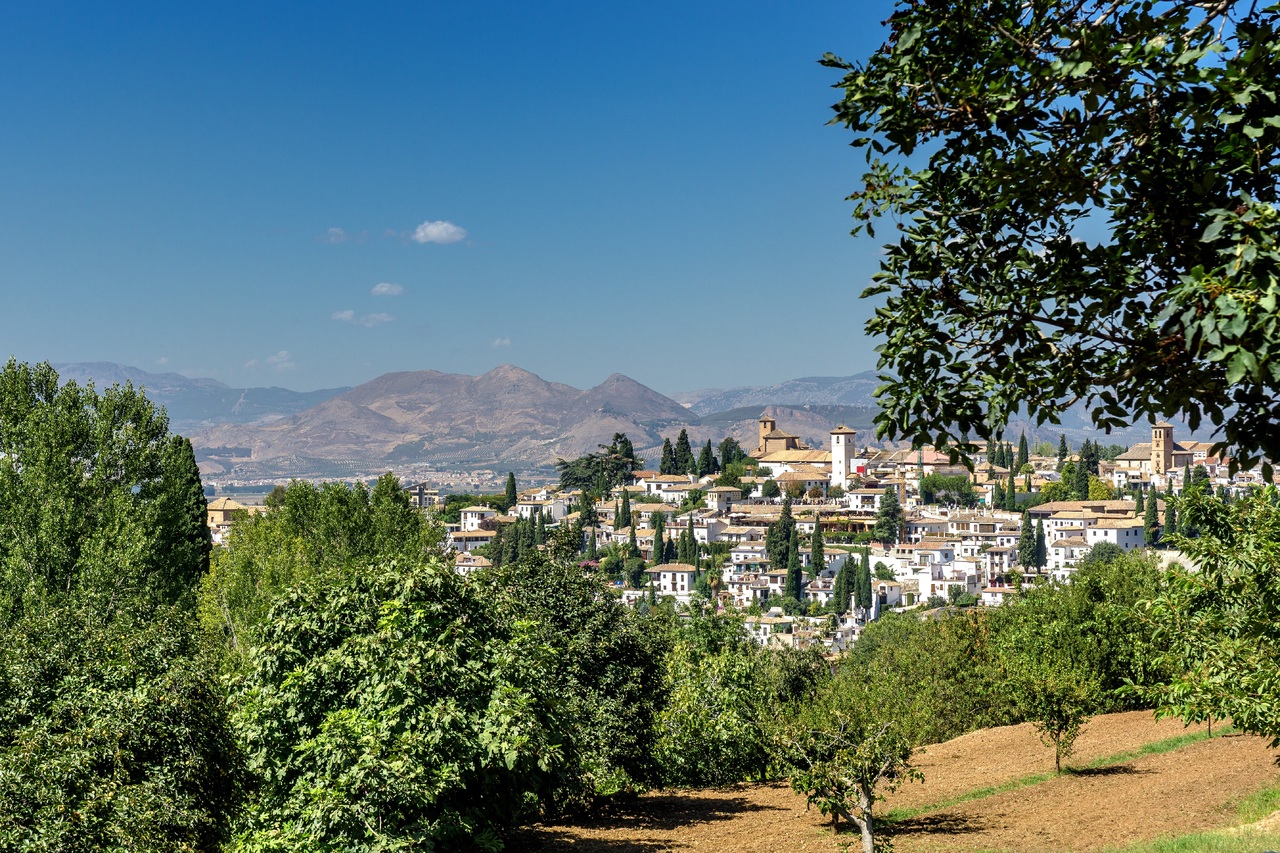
x=1194, y=787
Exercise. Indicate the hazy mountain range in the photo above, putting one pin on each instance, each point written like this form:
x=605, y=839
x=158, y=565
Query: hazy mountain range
x=506, y=419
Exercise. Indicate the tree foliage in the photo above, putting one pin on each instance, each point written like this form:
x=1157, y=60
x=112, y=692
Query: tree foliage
x=1045, y=256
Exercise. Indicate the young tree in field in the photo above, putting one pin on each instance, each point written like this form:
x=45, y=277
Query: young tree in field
x=992, y=174
x=844, y=753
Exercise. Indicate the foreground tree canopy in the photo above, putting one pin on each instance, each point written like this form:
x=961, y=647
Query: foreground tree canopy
x=1086, y=195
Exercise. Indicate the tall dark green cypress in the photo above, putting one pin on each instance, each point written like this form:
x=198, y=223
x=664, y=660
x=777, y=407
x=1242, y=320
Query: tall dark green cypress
x=1080, y=483
x=668, y=463
x=1027, y=543
x=1024, y=453
x=706, y=460
x=864, y=580
x=817, y=550
x=593, y=551
x=1151, y=521
x=624, y=514
x=511, y=497
x=842, y=593
x=1170, y=514
x=1011, y=493
x=659, y=538
x=182, y=552
x=1139, y=506
x=540, y=530
x=1042, y=547
x=1063, y=450
x=684, y=460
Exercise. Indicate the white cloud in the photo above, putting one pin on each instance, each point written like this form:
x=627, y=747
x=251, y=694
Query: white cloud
x=386, y=288
x=366, y=320
x=162, y=360
x=282, y=360
x=335, y=236
x=253, y=362
x=500, y=342
x=439, y=231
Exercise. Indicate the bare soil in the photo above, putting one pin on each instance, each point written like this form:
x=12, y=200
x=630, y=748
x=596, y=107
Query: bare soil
x=1190, y=789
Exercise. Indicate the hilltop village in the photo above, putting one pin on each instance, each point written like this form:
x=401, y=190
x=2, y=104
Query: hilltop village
x=863, y=530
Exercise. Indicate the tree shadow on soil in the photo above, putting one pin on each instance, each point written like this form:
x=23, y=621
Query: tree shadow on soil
x=932, y=824
x=653, y=813
x=1113, y=770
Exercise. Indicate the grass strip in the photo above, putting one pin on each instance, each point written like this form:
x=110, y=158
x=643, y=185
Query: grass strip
x=1154, y=748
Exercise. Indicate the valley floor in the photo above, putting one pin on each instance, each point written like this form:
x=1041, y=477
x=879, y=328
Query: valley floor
x=992, y=790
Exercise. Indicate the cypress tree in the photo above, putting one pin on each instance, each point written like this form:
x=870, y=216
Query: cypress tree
x=684, y=461
x=540, y=531
x=841, y=591
x=511, y=497
x=1151, y=521
x=668, y=464
x=1042, y=547
x=1011, y=493
x=624, y=514
x=795, y=581
x=888, y=525
x=1027, y=542
x=659, y=538
x=181, y=554
x=1139, y=505
x=707, y=460
x=1170, y=515
x=1024, y=454
x=495, y=548
x=633, y=550
x=864, y=580
x=997, y=495
x=593, y=552
x=1186, y=478
x=1063, y=450
x=1080, y=482
x=817, y=548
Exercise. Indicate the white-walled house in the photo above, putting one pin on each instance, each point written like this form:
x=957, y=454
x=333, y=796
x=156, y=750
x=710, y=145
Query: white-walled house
x=473, y=516
x=674, y=579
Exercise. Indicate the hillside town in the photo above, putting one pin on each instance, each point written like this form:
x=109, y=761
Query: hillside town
x=864, y=517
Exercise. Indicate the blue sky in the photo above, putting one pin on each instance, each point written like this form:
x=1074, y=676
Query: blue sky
x=310, y=195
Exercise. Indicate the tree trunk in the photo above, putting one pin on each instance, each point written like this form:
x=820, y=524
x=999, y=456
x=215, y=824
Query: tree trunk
x=865, y=802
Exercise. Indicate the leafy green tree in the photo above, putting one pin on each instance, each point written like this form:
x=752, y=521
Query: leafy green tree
x=1218, y=626
x=1057, y=695
x=888, y=526
x=993, y=173
x=114, y=732
x=769, y=489
x=712, y=730
x=843, y=752
x=370, y=683
x=948, y=488
x=317, y=531
x=94, y=494
x=604, y=671
x=731, y=453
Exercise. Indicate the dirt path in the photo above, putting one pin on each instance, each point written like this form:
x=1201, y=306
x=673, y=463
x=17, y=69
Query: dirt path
x=1193, y=788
